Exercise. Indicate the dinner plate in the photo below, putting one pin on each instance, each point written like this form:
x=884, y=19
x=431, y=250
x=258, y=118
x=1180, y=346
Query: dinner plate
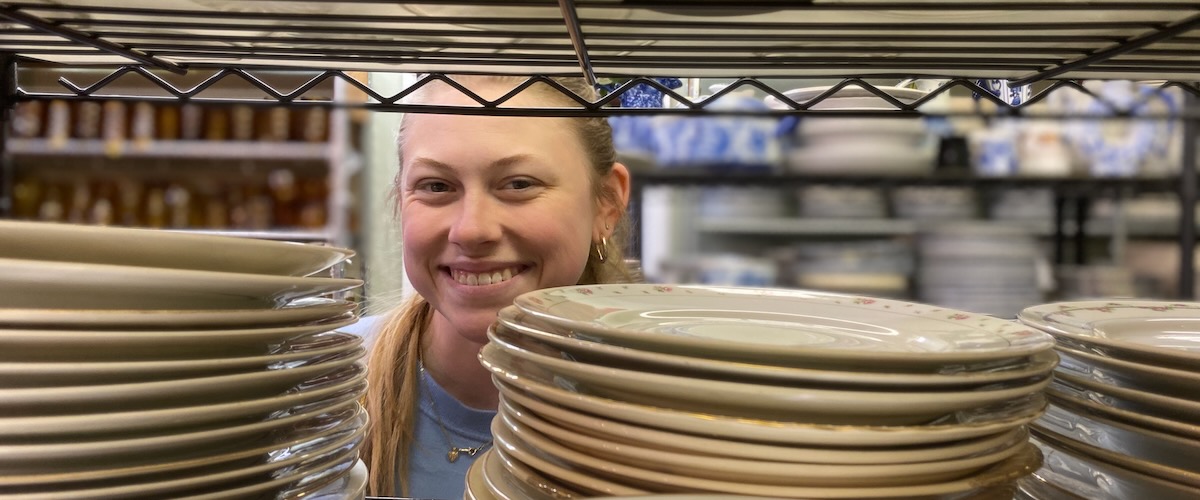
x=348, y=485
x=76, y=453
x=157, y=248
x=292, y=440
x=1092, y=477
x=618, y=432
x=511, y=321
x=510, y=480
x=292, y=353
x=763, y=470
x=33, y=401
x=1158, y=332
x=787, y=327
x=179, y=419
x=1078, y=401
x=282, y=467
x=776, y=402
x=152, y=345
x=1138, y=376
x=1023, y=463
x=295, y=313
x=775, y=432
x=1130, y=399
x=1151, y=452
x=511, y=451
x=70, y=285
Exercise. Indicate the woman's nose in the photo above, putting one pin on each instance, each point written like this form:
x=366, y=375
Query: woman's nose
x=477, y=221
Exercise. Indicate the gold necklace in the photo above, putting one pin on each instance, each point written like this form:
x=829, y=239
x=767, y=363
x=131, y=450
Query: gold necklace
x=455, y=451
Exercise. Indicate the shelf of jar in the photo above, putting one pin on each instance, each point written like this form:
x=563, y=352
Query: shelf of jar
x=799, y=226
x=242, y=150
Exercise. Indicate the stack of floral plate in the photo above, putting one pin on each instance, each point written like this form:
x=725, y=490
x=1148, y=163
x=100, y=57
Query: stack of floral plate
x=1125, y=415
x=637, y=389
x=148, y=364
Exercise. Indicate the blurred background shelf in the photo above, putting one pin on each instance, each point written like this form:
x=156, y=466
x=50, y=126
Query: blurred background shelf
x=233, y=150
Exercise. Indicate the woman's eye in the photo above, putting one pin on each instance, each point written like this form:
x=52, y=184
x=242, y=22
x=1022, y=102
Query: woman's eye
x=435, y=187
x=520, y=184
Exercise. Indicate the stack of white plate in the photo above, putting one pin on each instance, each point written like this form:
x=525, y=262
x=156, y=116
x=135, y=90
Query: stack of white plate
x=1125, y=415
x=934, y=203
x=639, y=389
x=743, y=201
x=147, y=364
x=858, y=145
x=985, y=268
x=871, y=267
x=838, y=202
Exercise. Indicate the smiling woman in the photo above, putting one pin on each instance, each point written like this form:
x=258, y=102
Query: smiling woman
x=491, y=207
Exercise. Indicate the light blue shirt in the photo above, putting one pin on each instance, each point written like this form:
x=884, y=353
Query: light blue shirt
x=431, y=475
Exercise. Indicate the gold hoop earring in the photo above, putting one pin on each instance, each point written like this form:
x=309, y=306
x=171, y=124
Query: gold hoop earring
x=601, y=248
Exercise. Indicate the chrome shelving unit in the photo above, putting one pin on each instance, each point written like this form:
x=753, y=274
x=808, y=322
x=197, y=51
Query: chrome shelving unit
x=1052, y=44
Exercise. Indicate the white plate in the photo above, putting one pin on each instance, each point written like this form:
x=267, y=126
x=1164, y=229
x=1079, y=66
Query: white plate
x=1163, y=333
x=1155, y=453
x=774, y=432
x=291, y=353
x=1160, y=380
x=157, y=248
x=786, y=327
x=1079, y=401
x=83, y=452
x=513, y=451
x=775, y=402
x=350, y=486
x=178, y=419
x=849, y=97
x=1094, y=478
x=511, y=321
x=865, y=157
x=151, y=345
x=617, y=432
x=507, y=479
x=295, y=313
x=1024, y=462
x=78, y=399
x=1154, y=404
x=293, y=439
x=764, y=470
x=68, y=285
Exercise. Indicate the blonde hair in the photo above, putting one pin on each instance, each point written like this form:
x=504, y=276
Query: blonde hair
x=394, y=374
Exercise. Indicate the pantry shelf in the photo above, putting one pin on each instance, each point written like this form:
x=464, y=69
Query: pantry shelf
x=217, y=150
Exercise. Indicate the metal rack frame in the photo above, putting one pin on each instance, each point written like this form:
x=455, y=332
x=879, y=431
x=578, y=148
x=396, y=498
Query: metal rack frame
x=1097, y=39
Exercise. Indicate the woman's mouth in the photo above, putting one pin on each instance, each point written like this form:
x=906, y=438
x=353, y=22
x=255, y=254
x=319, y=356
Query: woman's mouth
x=485, y=278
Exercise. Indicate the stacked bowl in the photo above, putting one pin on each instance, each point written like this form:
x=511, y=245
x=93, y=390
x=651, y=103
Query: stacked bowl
x=1124, y=420
x=643, y=389
x=149, y=364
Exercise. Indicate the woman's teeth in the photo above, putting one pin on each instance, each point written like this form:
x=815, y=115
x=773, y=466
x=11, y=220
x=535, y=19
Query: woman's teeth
x=479, y=279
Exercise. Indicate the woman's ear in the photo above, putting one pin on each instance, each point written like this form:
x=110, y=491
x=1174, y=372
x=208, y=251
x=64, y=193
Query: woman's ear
x=613, y=201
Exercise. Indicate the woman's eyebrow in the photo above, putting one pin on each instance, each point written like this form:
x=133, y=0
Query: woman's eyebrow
x=502, y=163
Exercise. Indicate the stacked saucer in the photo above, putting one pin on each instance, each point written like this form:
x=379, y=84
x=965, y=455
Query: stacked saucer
x=148, y=364
x=638, y=389
x=1125, y=415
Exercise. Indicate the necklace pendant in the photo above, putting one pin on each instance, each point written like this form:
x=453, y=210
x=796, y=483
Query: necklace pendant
x=452, y=455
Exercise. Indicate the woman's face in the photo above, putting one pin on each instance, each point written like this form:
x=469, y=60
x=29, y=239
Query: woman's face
x=493, y=207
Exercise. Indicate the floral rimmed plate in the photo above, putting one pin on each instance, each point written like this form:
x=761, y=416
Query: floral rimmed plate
x=786, y=327
x=1165, y=333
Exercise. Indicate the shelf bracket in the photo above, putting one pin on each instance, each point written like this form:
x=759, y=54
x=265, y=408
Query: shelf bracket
x=1126, y=47
x=571, y=17
x=15, y=15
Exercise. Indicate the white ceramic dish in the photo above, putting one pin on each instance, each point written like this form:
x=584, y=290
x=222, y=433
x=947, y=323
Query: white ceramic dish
x=177, y=419
x=1155, y=453
x=776, y=402
x=511, y=321
x=865, y=157
x=786, y=327
x=1139, y=376
x=618, y=432
x=1131, y=399
x=764, y=470
x=1094, y=478
x=80, y=399
x=351, y=486
x=157, y=248
x=293, y=353
x=1080, y=402
x=1163, y=333
x=774, y=432
x=850, y=97
x=151, y=345
x=1023, y=463
x=68, y=285
x=83, y=452
x=512, y=449
x=295, y=439
x=294, y=482
x=508, y=479
x=295, y=313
